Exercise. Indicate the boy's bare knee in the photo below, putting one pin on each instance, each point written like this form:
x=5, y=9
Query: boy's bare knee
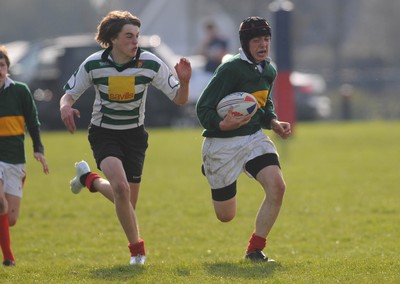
x=225, y=217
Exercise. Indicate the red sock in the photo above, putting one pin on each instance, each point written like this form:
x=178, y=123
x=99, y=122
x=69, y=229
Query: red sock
x=5, y=241
x=256, y=243
x=137, y=249
x=89, y=181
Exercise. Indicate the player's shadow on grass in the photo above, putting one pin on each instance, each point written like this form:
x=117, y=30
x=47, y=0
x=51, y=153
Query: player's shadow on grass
x=118, y=273
x=243, y=269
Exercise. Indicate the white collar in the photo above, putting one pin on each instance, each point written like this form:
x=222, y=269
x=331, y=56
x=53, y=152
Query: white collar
x=8, y=82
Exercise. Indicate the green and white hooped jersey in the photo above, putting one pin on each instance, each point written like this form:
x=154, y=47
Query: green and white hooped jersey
x=121, y=90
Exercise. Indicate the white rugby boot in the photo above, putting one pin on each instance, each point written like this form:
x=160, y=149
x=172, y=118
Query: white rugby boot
x=81, y=168
x=137, y=259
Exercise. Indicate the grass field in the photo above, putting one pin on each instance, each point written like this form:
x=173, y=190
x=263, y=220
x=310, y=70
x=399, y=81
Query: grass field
x=340, y=221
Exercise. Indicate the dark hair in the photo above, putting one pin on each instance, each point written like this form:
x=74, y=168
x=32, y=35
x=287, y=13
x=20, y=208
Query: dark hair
x=4, y=54
x=250, y=28
x=111, y=25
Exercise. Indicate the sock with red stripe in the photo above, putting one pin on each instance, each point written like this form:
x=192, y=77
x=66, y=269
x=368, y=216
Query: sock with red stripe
x=5, y=241
x=88, y=179
x=137, y=249
x=256, y=243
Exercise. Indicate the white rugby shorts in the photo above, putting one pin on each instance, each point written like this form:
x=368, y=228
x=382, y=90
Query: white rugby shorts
x=224, y=159
x=13, y=178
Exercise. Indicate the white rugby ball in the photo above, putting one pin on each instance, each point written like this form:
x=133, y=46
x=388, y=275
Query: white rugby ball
x=241, y=103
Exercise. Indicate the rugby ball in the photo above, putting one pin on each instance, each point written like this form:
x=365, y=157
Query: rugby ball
x=241, y=103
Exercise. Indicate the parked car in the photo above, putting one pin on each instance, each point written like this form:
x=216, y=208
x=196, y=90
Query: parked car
x=47, y=65
x=310, y=101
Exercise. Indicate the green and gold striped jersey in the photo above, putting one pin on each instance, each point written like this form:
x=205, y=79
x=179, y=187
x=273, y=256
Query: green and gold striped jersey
x=17, y=110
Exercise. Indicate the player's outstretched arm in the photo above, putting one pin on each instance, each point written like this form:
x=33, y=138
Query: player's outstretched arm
x=184, y=71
